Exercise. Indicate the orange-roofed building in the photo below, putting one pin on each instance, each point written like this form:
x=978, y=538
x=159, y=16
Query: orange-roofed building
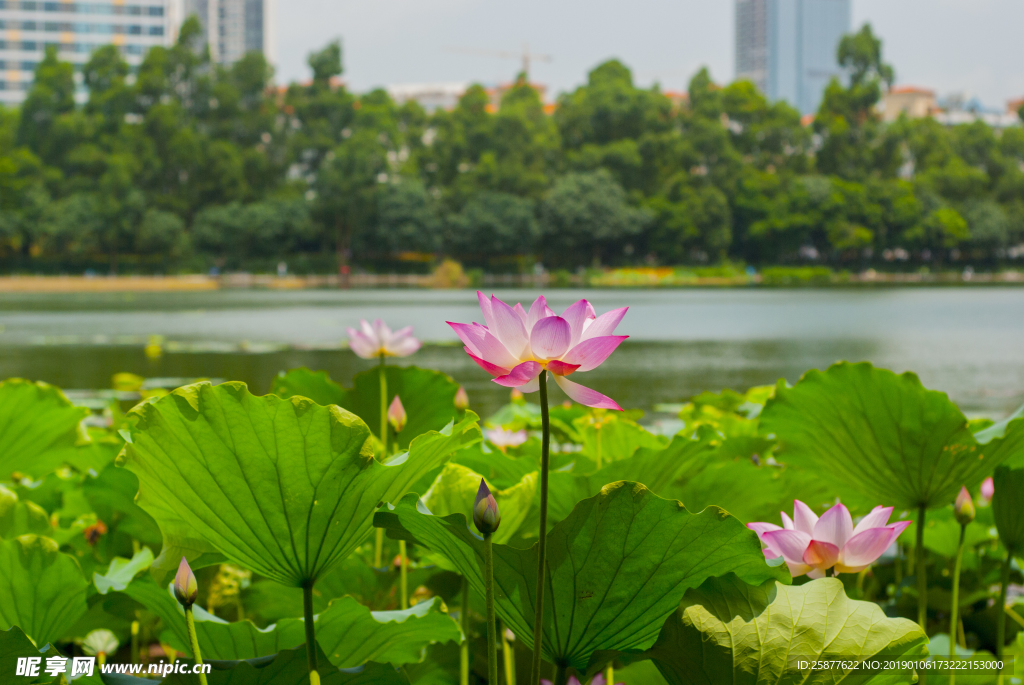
x=916, y=103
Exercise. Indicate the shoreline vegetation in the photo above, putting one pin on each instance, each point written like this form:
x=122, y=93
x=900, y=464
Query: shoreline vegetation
x=654, y=277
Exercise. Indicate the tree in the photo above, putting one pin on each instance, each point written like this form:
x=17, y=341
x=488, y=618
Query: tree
x=407, y=221
x=584, y=217
x=52, y=95
x=493, y=226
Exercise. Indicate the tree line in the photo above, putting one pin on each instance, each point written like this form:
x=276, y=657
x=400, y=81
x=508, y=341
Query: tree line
x=185, y=164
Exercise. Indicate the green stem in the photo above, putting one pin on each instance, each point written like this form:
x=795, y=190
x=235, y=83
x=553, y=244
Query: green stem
x=492, y=639
x=403, y=584
x=609, y=675
x=307, y=614
x=921, y=572
x=136, y=659
x=378, y=549
x=383, y=411
x=464, y=647
x=1001, y=618
x=561, y=674
x=508, y=655
x=193, y=641
x=542, y=543
x=955, y=601
x=598, y=446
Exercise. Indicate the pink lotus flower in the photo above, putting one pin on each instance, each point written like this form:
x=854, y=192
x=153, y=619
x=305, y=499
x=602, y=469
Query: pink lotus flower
x=502, y=439
x=813, y=545
x=377, y=340
x=596, y=680
x=516, y=346
x=988, y=488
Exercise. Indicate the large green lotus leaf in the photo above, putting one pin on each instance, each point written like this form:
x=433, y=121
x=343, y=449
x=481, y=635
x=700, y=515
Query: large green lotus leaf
x=38, y=427
x=454, y=492
x=1008, y=508
x=869, y=432
x=1003, y=442
x=607, y=438
x=494, y=465
x=288, y=667
x=428, y=396
x=284, y=487
x=112, y=496
x=348, y=632
x=122, y=571
x=14, y=644
x=729, y=632
x=616, y=567
x=42, y=590
x=21, y=518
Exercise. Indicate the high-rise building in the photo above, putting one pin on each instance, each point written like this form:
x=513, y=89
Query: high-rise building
x=234, y=27
x=788, y=47
x=76, y=28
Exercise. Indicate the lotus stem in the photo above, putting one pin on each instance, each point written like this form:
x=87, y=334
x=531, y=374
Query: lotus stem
x=464, y=647
x=492, y=638
x=1001, y=618
x=955, y=601
x=609, y=675
x=542, y=543
x=383, y=410
x=921, y=572
x=307, y=619
x=378, y=549
x=598, y=446
x=193, y=641
x=403, y=584
x=509, y=656
x=135, y=643
x=561, y=675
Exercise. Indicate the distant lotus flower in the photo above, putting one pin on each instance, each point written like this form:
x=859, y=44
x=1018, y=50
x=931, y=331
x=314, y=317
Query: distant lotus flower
x=516, y=347
x=963, y=508
x=596, y=680
x=185, y=586
x=461, y=399
x=486, y=516
x=503, y=439
x=811, y=545
x=988, y=489
x=376, y=340
x=396, y=415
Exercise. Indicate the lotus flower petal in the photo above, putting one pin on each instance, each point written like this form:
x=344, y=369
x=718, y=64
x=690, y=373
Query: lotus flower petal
x=361, y=344
x=403, y=348
x=803, y=518
x=821, y=554
x=791, y=544
x=865, y=547
x=490, y=368
x=560, y=368
x=604, y=324
x=538, y=310
x=520, y=375
x=586, y=396
x=878, y=518
x=532, y=386
x=591, y=353
x=835, y=526
x=485, y=307
x=508, y=327
x=550, y=337
x=787, y=522
x=483, y=344
x=577, y=315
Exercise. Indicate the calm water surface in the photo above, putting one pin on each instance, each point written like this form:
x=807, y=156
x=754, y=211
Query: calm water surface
x=968, y=342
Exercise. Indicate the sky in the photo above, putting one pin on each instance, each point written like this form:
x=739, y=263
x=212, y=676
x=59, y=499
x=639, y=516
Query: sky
x=951, y=46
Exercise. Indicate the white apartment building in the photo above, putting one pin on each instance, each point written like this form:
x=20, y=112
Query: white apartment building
x=238, y=27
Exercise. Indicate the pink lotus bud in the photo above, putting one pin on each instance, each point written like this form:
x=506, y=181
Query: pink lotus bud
x=396, y=415
x=963, y=508
x=988, y=489
x=185, y=586
x=486, y=516
x=461, y=399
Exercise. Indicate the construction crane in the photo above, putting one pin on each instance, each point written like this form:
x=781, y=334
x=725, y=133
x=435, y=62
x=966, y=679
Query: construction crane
x=526, y=56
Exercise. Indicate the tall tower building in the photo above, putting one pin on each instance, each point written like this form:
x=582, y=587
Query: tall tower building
x=234, y=27
x=788, y=47
x=76, y=28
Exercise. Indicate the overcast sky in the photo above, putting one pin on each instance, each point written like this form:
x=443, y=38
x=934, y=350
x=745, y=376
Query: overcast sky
x=971, y=46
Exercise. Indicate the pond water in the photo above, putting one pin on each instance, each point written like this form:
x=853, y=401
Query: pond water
x=968, y=342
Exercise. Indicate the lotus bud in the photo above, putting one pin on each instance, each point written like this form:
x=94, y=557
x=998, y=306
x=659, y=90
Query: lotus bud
x=988, y=489
x=185, y=586
x=516, y=395
x=396, y=415
x=486, y=516
x=963, y=509
x=461, y=399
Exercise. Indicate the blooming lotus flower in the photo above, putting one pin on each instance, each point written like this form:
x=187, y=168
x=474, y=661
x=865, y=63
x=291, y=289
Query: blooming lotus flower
x=503, y=439
x=813, y=545
x=396, y=415
x=376, y=340
x=185, y=586
x=486, y=516
x=516, y=346
x=963, y=508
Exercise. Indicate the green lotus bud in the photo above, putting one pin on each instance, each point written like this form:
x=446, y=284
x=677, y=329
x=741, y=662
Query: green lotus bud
x=963, y=509
x=185, y=586
x=486, y=516
x=396, y=415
